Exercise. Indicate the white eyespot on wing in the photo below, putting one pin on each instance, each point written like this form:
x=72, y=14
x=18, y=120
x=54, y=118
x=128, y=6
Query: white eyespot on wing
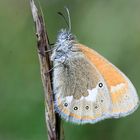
x=117, y=87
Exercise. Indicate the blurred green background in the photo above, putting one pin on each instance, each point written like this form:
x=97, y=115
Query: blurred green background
x=112, y=27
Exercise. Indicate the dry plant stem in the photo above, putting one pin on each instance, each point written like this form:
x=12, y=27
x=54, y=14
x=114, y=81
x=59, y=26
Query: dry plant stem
x=52, y=121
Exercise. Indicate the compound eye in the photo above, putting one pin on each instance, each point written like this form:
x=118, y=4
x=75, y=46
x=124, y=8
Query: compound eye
x=71, y=37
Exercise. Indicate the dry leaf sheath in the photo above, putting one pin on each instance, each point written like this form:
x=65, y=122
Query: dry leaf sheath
x=52, y=121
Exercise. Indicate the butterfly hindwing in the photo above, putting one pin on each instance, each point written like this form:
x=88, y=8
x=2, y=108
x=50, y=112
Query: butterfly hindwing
x=81, y=95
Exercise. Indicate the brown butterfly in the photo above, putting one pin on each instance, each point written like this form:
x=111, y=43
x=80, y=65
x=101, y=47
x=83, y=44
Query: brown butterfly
x=87, y=87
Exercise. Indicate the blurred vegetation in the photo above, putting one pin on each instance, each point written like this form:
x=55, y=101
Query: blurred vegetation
x=112, y=27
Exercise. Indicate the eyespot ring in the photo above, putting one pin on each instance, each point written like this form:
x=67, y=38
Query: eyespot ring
x=75, y=108
x=96, y=107
x=87, y=107
x=102, y=100
x=100, y=85
x=65, y=104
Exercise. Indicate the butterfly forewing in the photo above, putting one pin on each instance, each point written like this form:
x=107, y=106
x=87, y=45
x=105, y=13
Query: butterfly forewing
x=122, y=92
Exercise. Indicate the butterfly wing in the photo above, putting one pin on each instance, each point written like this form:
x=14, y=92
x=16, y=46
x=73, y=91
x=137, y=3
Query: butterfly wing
x=122, y=92
x=89, y=89
x=81, y=94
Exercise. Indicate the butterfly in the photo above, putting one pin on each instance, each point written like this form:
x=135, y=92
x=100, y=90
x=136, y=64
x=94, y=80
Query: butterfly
x=87, y=87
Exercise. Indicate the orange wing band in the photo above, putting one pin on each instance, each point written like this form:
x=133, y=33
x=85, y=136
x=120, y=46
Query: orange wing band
x=110, y=74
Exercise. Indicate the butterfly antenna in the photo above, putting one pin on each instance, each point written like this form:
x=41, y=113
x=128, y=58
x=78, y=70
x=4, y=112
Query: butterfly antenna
x=61, y=14
x=69, y=19
x=68, y=22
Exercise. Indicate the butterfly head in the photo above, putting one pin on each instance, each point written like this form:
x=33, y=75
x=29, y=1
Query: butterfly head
x=65, y=37
x=63, y=47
